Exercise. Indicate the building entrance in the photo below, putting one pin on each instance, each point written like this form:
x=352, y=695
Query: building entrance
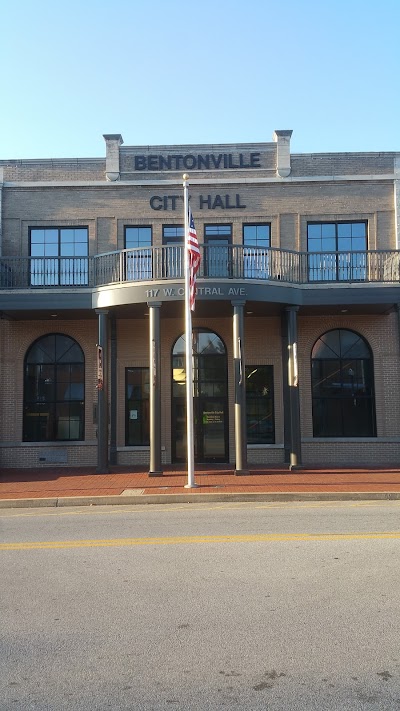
x=210, y=399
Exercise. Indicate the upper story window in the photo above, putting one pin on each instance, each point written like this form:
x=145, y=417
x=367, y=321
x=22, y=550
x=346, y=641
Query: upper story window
x=137, y=237
x=214, y=232
x=59, y=256
x=337, y=251
x=218, y=255
x=138, y=263
x=257, y=235
x=173, y=258
x=173, y=234
x=256, y=258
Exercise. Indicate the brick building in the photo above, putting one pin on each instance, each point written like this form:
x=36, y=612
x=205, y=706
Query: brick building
x=296, y=328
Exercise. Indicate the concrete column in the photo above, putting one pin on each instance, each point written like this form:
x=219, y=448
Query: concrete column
x=240, y=388
x=113, y=390
x=155, y=388
x=113, y=142
x=293, y=382
x=282, y=140
x=285, y=387
x=102, y=397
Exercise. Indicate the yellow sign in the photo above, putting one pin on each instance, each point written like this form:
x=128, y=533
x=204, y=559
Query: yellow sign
x=213, y=417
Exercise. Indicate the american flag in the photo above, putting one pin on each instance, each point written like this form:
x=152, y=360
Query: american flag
x=192, y=246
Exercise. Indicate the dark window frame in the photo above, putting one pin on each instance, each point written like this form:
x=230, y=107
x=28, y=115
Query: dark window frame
x=218, y=258
x=335, y=264
x=205, y=364
x=349, y=391
x=256, y=257
x=256, y=224
x=269, y=438
x=138, y=259
x=143, y=440
x=173, y=258
x=50, y=272
x=34, y=406
x=217, y=235
x=138, y=227
x=173, y=239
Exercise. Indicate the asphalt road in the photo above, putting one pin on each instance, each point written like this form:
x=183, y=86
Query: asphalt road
x=218, y=606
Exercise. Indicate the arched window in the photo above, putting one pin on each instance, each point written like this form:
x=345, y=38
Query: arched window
x=342, y=386
x=54, y=390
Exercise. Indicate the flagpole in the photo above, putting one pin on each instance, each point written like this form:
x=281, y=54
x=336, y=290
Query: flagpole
x=189, y=348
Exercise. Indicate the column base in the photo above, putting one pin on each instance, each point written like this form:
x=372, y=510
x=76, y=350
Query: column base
x=155, y=473
x=191, y=486
x=295, y=467
x=241, y=472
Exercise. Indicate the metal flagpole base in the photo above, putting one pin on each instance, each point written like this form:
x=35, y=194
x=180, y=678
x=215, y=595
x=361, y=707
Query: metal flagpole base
x=191, y=486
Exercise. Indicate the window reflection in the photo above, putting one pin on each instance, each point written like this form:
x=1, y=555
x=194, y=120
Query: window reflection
x=337, y=251
x=256, y=244
x=54, y=393
x=342, y=386
x=260, y=404
x=59, y=256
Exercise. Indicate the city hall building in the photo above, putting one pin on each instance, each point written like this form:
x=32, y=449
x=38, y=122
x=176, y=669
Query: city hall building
x=296, y=330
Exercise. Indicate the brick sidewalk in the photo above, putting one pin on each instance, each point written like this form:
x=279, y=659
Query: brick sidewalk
x=124, y=481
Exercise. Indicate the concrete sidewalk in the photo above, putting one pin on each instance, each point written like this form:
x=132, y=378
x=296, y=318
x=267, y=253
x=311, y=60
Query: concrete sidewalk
x=64, y=486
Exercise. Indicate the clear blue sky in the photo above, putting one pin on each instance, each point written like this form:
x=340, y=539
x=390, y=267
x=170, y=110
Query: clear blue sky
x=211, y=71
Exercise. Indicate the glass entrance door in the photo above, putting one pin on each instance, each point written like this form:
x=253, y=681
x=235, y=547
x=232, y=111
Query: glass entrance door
x=218, y=239
x=209, y=429
x=210, y=398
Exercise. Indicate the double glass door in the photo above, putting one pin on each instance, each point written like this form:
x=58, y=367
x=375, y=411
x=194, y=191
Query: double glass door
x=210, y=399
x=209, y=430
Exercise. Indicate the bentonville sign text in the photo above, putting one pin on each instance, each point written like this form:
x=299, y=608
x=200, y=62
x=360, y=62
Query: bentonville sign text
x=208, y=202
x=190, y=161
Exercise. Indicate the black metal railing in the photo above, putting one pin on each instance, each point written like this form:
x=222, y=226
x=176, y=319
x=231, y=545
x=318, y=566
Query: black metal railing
x=218, y=262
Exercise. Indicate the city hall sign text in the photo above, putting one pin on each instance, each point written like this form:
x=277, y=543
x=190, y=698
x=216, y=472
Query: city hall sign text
x=208, y=202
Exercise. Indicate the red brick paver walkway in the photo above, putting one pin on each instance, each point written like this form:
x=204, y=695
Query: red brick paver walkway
x=52, y=482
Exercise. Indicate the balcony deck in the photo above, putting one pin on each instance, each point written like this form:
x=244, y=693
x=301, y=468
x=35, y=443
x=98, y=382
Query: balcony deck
x=237, y=262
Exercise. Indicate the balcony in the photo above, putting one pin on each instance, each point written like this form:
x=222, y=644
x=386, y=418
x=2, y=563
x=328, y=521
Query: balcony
x=166, y=263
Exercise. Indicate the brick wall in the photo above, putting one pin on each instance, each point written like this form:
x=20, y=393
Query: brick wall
x=287, y=206
x=262, y=347
x=342, y=164
x=53, y=170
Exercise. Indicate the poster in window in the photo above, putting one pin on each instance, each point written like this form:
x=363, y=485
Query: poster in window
x=100, y=378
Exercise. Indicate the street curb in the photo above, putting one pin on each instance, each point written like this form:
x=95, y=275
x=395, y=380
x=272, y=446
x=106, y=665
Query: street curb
x=112, y=500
